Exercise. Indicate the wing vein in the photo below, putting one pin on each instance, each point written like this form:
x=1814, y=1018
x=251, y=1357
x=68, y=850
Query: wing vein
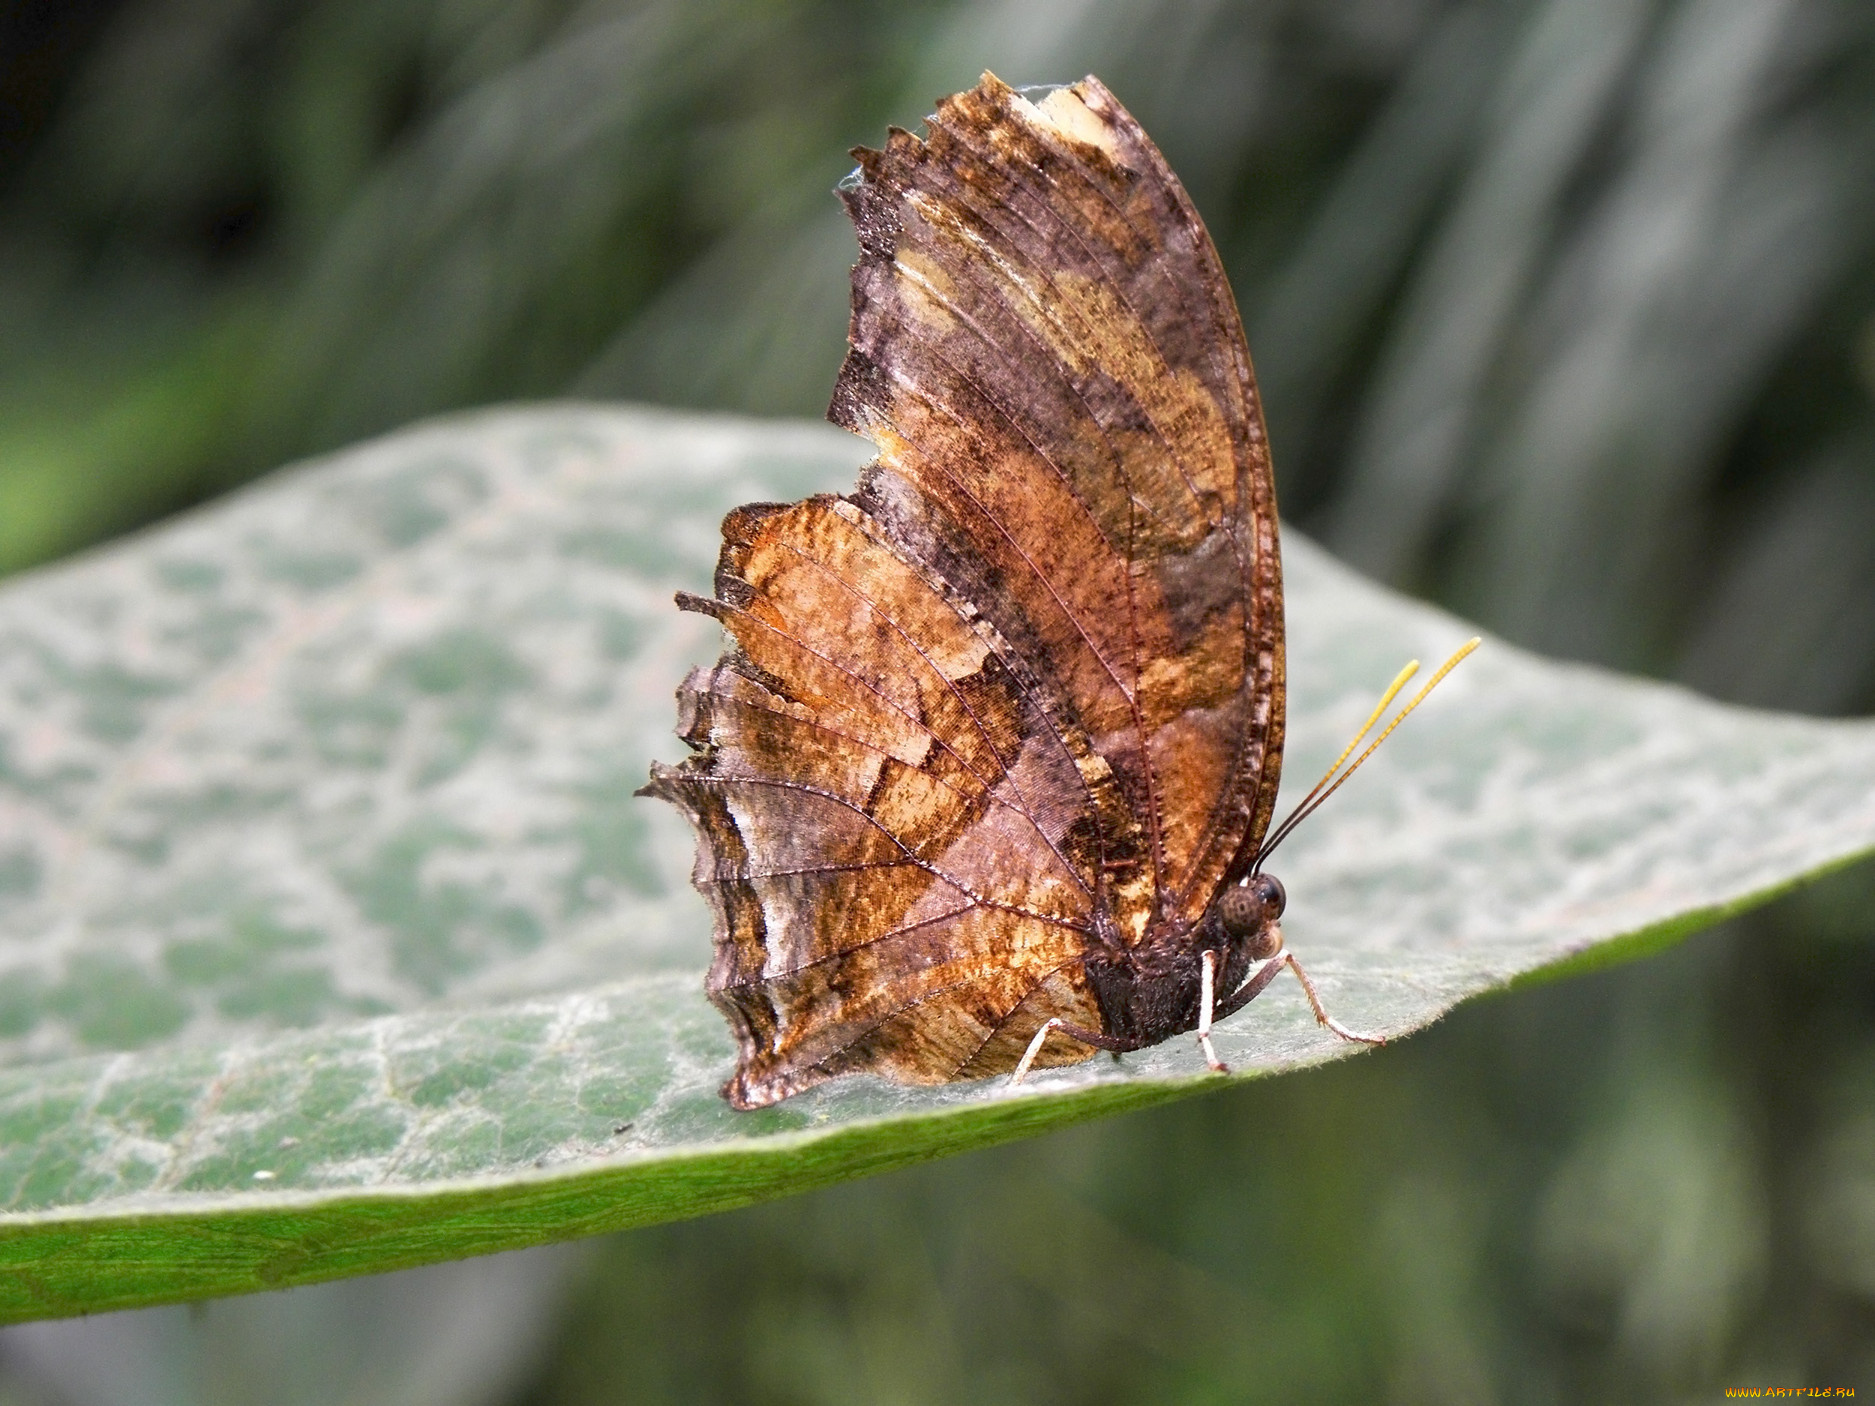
x=950, y=686
x=911, y=855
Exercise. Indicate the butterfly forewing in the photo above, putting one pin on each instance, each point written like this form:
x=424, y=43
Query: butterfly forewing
x=1046, y=351
x=1022, y=693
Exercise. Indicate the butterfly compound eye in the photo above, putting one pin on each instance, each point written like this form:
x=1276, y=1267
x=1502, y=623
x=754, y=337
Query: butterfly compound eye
x=1248, y=916
x=1238, y=910
x=1245, y=909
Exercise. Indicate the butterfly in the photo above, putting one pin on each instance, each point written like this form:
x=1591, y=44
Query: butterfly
x=984, y=780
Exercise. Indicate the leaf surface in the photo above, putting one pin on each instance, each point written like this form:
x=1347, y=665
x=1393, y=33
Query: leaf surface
x=334, y=941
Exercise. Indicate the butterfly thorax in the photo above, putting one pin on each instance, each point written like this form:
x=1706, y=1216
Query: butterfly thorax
x=1153, y=990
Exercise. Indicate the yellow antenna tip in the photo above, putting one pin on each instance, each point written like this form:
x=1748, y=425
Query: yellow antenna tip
x=1333, y=778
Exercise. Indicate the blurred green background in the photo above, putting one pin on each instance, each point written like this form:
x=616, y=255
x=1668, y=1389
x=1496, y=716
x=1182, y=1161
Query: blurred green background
x=1564, y=313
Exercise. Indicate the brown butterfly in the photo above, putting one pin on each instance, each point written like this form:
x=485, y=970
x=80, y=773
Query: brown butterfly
x=985, y=779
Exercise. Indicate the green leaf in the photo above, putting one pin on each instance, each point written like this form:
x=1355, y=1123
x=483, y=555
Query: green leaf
x=335, y=942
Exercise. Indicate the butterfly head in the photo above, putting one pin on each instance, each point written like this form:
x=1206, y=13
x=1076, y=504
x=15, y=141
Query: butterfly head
x=1250, y=912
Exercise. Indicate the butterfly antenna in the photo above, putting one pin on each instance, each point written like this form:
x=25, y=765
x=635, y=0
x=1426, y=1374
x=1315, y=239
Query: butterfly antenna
x=1330, y=782
x=1393, y=691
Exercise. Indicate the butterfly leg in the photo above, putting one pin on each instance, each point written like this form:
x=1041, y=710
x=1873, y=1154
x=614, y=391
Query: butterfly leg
x=1086, y=1037
x=1252, y=988
x=1268, y=972
x=1315, y=1003
x=1207, y=999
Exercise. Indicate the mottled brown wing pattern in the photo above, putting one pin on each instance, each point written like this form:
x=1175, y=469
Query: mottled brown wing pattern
x=894, y=843
x=1046, y=352
x=1021, y=694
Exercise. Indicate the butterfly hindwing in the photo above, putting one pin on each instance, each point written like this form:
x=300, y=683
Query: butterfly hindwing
x=891, y=840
